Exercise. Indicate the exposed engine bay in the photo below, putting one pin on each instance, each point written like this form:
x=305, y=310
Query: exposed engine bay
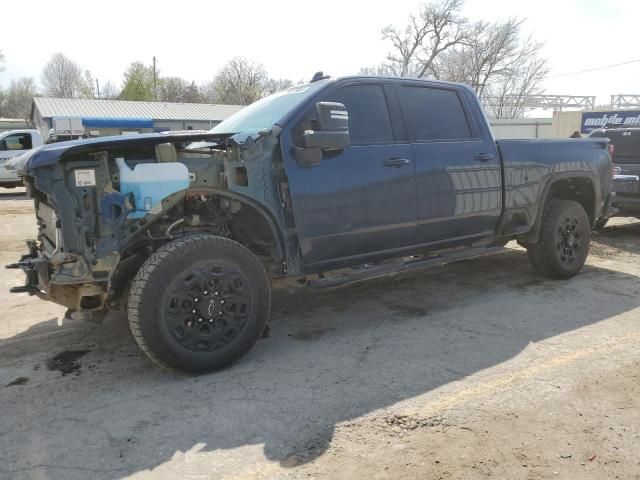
x=93, y=236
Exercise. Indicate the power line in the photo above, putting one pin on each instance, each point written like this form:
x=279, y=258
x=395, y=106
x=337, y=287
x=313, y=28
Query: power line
x=594, y=69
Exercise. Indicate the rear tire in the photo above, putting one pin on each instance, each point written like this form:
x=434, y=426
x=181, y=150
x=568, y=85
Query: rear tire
x=563, y=246
x=199, y=303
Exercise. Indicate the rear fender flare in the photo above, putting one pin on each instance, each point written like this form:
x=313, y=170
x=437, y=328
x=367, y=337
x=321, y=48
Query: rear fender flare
x=533, y=235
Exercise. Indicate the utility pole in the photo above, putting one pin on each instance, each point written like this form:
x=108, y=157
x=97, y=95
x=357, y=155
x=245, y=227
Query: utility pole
x=98, y=88
x=155, y=89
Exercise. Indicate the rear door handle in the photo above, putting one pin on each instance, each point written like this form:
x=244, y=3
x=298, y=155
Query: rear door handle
x=396, y=162
x=483, y=157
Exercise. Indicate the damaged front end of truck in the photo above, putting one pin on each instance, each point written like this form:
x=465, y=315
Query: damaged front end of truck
x=94, y=231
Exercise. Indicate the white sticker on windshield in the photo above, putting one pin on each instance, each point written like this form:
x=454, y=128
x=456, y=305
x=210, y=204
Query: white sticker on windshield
x=85, y=178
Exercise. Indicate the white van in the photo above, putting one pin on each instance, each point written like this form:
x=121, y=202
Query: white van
x=12, y=144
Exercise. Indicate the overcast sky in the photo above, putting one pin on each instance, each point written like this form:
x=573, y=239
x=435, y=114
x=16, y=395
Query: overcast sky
x=293, y=39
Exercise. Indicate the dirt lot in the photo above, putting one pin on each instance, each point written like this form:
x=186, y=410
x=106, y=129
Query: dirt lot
x=478, y=370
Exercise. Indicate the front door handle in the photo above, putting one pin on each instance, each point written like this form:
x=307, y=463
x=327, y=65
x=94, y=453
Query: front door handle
x=483, y=157
x=396, y=162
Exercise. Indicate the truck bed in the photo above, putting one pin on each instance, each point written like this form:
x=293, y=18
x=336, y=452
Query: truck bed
x=529, y=165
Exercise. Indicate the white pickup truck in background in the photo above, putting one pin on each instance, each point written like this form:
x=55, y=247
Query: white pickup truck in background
x=12, y=144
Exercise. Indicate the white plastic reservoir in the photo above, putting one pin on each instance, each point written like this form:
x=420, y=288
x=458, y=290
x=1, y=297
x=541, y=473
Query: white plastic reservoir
x=151, y=182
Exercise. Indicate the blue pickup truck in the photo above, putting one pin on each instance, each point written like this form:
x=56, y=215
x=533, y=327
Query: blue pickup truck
x=332, y=182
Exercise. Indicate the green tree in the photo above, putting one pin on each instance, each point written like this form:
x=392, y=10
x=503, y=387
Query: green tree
x=87, y=86
x=138, y=83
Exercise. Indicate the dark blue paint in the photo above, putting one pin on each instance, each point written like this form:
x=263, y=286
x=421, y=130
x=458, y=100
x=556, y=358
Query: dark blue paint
x=458, y=196
x=352, y=204
x=355, y=207
x=531, y=165
x=349, y=209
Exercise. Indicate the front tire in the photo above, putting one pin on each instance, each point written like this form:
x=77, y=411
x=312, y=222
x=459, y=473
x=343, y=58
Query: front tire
x=199, y=303
x=563, y=246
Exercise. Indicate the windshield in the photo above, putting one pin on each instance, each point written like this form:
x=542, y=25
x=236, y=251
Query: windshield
x=264, y=113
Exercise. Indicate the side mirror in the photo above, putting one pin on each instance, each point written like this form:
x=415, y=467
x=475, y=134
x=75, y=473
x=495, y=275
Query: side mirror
x=332, y=131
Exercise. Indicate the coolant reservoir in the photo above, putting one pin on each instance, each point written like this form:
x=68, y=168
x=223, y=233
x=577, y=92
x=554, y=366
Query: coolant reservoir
x=151, y=182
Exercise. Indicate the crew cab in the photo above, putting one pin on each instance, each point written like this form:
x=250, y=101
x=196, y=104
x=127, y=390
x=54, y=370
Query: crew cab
x=12, y=144
x=186, y=231
x=625, y=143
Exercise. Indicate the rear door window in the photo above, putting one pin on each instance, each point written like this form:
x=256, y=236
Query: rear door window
x=433, y=114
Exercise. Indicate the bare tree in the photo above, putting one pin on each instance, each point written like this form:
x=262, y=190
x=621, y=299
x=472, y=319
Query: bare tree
x=382, y=70
x=438, y=27
x=275, y=85
x=16, y=101
x=108, y=91
x=491, y=50
x=507, y=96
x=177, y=89
x=172, y=89
x=192, y=94
x=501, y=67
x=491, y=57
x=207, y=92
x=62, y=77
x=1, y=61
x=240, y=81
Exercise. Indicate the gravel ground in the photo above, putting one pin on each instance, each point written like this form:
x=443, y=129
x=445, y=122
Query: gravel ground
x=477, y=370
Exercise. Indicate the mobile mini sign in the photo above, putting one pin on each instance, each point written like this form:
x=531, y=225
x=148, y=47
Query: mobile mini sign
x=594, y=120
